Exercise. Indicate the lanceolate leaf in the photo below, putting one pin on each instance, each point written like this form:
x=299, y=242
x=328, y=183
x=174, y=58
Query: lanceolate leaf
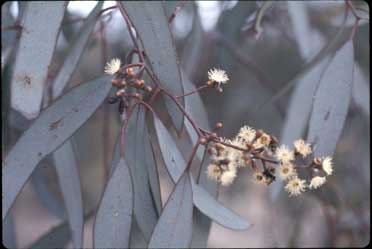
x=69, y=181
x=36, y=47
x=53, y=127
x=76, y=50
x=298, y=113
x=214, y=210
x=174, y=228
x=134, y=155
x=361, y=91
x=8, y=232
x=57, y=237
x=114, y=216
x=331, y=102
x=173, y=159
x=151, y=24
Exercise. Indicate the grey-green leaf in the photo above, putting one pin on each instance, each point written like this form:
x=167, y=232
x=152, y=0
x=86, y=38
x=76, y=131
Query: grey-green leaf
x=34, y=57
x=332, y=99
x=69, y=182
x=174, y=228
x=53, y=127
x=114, y=216
x=76, y=50
x=134, y=155
x=173, y=158
x=151, y=24
x=214, y=210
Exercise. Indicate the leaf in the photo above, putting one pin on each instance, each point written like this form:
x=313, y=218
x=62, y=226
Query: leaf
x=53, y=127
x=69, y=182
x=331, y=102
x=298, y=113
x=174, y=227
x=157, y=41
x=46, y=197
x=8, y=232
x=153, y=173
x=34, y=57
x=135, y=157
x=7, y=36
x=76, y=50
x=361, y=91
x=114, y=216
x=301, y=26
x=57, y=237
x=214, y=210
x=172, y=157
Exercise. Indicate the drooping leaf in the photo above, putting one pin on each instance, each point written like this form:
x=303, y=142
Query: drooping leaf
x=135, y=157
x=76, y=50
x=114, y=215
x=46, y=197
x=361, y=91
x=153, y=174
x=7, y=36
x=69, y=182
x=34, y=57
x=115, y=155
x=136, y=237
x=301, y=26
x=331, y=101
x=8, y=232
x=57, y=237
x=54, y=126
x=157, y=41
x=172, y=157
x=174, y=227
x=298, y=112
x=214, y=210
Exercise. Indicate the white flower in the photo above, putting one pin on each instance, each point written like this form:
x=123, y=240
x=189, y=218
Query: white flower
x=213, y=172
x=295, y=186
x=218, y=75
x=113, y=66
x=247, y=133
x=228, y=177
x=316, y=182
x=327, y=165
x=303, y=148
x=286, y=171
x=284, y=154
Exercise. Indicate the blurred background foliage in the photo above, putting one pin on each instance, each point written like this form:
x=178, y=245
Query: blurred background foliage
x=215, y=34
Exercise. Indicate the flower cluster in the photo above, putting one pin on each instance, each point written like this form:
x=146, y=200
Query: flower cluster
x=128, y=83
x=216, y=77
x=261, y=152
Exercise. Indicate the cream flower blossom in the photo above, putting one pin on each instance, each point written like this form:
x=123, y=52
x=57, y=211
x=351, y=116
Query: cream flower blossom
x=218, y=75
x=284, y=154
x=247, y=133
x=286, y=171
x=112, y=66
x=227, y=177
x=327, y=165
x=213, y=172
x=316, y=182
x=302, y=147
x=295, y=186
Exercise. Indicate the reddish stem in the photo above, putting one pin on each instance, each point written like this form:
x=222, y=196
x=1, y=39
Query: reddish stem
x=192, y=92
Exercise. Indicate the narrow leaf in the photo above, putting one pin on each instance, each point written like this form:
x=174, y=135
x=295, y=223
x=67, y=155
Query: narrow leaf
x=134, y=155
x=34, y=57
x=361, y=91
x=174, y=228
x=173, y=158
x=76, y=50
x=46, y=197
x=214, y=210
x=332, y=99
x=9, y=232
x=157, y=41
x=114, y=216
x=53, y=127
x=57, y=237
x=69, y=182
